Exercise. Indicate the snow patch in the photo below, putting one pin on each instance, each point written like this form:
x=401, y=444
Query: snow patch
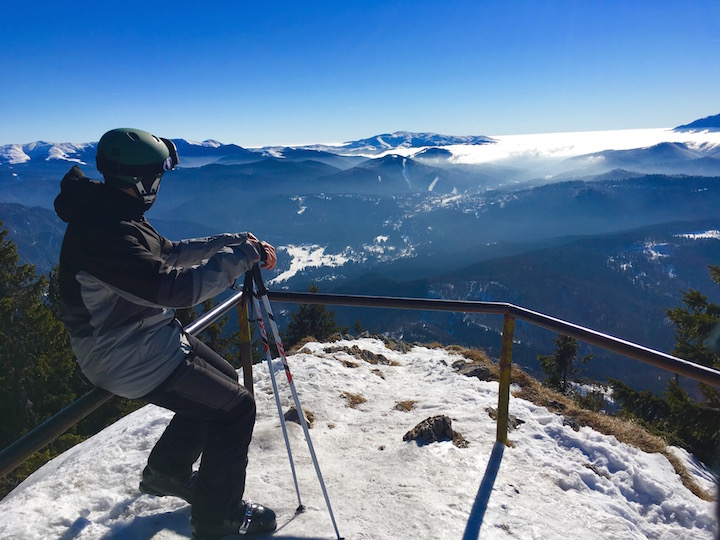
x=379, y=246
x=655, y=251
x=274, y=152
x=301, y=204
x=405, y=172
x=383, y=143
x=706, y=235
x=60, y=152
x=13, y=154
x=209, y=143
x=309, y=256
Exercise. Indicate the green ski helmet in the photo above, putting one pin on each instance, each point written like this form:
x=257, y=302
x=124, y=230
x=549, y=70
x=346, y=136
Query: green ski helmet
x=133, y=157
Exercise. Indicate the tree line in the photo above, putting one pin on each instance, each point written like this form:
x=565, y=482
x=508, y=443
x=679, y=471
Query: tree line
x=689, y=421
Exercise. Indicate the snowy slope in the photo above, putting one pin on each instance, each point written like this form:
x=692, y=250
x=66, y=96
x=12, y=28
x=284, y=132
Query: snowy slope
x=14, y=154
x=554, y=483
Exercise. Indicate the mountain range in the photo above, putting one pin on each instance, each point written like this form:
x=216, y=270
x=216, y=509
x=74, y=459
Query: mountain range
x=560, y=225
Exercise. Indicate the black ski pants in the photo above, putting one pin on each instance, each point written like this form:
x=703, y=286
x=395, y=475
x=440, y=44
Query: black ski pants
x=214, y=417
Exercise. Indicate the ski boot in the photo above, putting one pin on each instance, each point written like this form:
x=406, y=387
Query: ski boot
x=161, y=485
x=251, y=518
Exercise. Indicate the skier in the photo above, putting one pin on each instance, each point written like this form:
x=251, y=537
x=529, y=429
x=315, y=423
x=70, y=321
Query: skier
x=120, y=281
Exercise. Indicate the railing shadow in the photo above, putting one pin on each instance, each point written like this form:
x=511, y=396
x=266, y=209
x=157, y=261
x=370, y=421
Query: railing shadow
x=477, y=514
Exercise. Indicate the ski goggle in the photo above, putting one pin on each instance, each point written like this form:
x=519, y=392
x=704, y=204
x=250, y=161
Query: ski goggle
x=172, y=160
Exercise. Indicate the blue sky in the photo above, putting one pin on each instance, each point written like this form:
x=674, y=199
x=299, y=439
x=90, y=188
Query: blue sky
x=266, y=73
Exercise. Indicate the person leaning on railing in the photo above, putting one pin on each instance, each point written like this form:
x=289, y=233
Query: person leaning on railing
x=120, y=281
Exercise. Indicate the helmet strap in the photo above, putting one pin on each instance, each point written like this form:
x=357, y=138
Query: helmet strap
x=148, y=193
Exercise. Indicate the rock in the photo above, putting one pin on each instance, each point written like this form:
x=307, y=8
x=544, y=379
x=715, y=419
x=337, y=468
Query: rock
x=476, y=370
x=435, y=429
x=556, y=405
x=361, y=354
x=574, y=424
x=293, y=416
x=394, y=344
x=513, y=421
x=457, y=365
x=472, y=369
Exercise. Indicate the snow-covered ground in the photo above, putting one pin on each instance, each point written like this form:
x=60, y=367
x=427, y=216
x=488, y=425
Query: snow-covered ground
x=553, y=483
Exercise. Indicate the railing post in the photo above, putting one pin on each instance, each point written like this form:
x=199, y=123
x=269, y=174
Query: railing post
x=245, y=346
x=505, y=369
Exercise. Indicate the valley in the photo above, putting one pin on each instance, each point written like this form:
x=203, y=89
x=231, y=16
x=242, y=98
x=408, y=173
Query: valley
x=608, y=240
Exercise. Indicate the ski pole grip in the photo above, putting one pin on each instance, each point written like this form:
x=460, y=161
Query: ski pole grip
x=259, y=283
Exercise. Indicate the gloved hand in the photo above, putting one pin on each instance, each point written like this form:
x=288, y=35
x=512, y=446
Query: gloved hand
x=268, y=257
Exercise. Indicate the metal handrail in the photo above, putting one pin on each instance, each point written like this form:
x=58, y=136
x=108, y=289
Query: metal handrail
x=46, y=432
x=626, y=348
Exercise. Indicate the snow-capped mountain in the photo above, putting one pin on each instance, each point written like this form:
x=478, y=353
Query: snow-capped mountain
x=211, y=150
x=558, y=480
x=14, y=154
x=406, y=139
x=84, y=153
x=709, y=123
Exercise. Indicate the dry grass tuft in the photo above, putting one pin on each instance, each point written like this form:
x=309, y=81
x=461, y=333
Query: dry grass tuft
x=407, y=405
x=300, y=344
x=353, y=399
x=474, y=355
x=687, y=479
x=348, y=363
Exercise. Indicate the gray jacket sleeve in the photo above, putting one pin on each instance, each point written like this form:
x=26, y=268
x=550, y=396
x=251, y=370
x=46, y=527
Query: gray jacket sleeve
x=136, y=274
x=195, y=250
x=188, y=286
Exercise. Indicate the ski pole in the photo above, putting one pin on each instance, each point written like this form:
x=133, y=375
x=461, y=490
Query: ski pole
x=255, y=315
x=263, y=293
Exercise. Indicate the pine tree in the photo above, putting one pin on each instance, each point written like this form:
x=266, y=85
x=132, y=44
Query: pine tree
x=694, y=324
x=37, y=370
x=559, y=366
x=310, y=320
x=681, y=419
x=696, y=422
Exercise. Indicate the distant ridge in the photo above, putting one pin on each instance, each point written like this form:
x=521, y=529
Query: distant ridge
x=14, y=154
x=195, y=154
x=709, y=123
x=408, y=139
x=388, y=142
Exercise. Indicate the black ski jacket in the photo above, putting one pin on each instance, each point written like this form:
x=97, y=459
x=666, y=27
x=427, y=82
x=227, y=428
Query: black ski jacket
x=120, y=280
